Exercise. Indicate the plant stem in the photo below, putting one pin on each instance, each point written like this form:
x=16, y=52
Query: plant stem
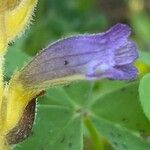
x=3, y=43
x=97, y=141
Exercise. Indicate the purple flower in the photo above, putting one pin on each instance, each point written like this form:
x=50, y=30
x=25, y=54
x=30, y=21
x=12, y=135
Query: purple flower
x=93, y=56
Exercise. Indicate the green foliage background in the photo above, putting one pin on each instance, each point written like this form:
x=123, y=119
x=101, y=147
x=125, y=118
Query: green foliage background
x=102, y=115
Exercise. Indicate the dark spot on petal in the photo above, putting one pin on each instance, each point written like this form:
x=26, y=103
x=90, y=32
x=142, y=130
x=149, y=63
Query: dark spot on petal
x=66, y=62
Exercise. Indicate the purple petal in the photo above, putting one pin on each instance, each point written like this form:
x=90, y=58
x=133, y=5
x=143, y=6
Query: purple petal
x=116, y=36
x=103, y=55
x=125, y=72
x=126, y=54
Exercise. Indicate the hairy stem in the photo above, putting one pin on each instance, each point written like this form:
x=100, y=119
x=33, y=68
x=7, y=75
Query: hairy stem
x=3, y=43
x=3, y=46
x=3, y=145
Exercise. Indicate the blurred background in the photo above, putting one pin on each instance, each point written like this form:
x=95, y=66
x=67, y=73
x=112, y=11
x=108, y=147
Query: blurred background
x=56, y=19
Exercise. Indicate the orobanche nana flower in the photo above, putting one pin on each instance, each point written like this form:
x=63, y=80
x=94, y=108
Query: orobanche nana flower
x=110, y=54
x=82, y=57
x=90, y=56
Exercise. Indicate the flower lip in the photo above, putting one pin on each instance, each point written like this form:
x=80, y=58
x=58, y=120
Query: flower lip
x=104, y=55
x=125, y=53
